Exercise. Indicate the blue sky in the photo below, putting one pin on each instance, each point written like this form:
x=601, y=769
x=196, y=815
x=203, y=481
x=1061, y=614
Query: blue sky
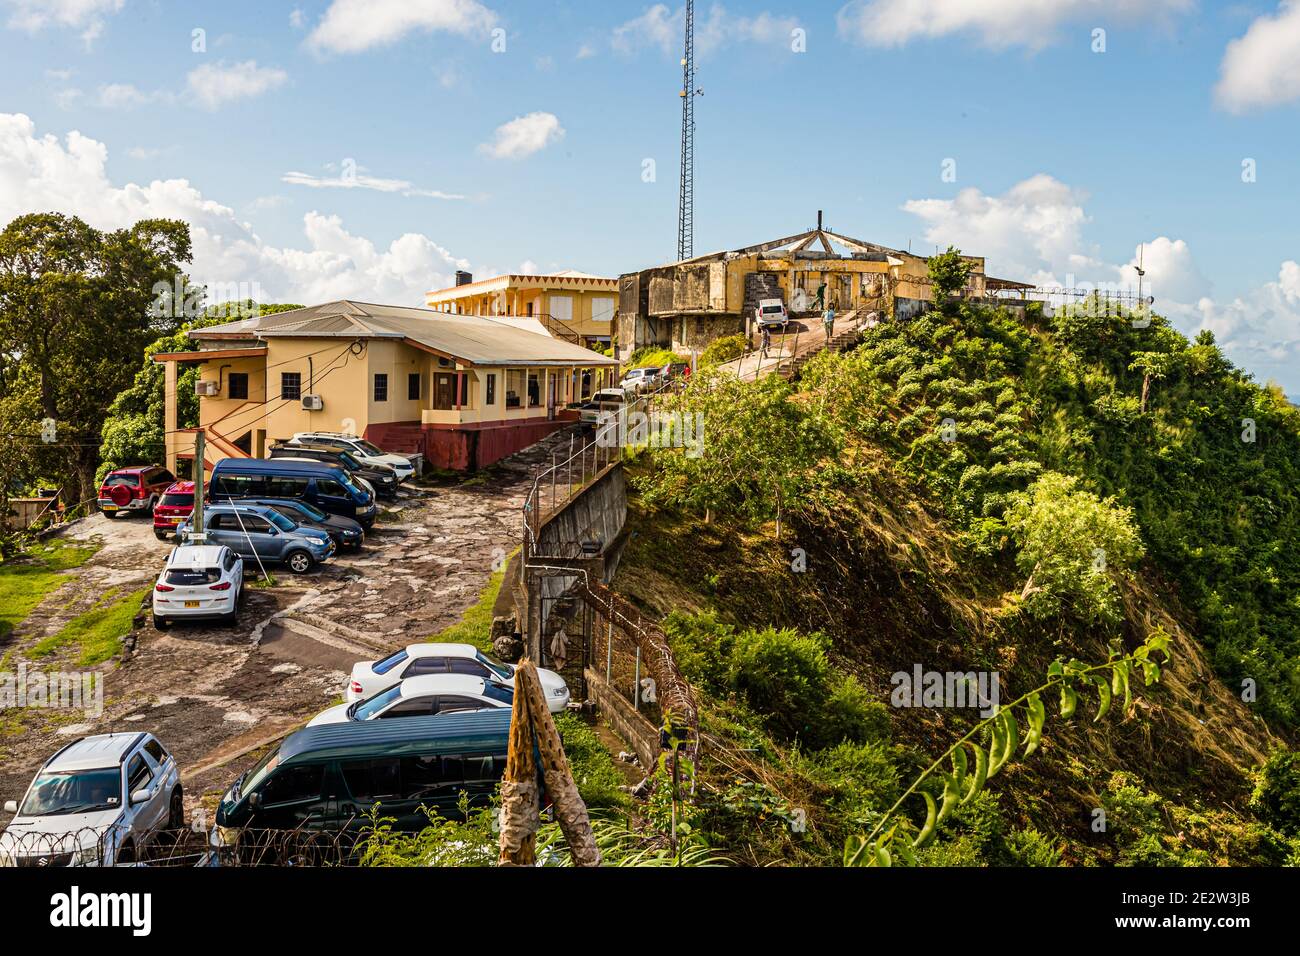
x=335, y=147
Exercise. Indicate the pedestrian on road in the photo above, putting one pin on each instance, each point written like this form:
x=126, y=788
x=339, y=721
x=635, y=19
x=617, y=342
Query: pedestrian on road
x=767, y=341
x=828, y=321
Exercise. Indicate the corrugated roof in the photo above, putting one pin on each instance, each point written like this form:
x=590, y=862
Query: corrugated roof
x=478, y=341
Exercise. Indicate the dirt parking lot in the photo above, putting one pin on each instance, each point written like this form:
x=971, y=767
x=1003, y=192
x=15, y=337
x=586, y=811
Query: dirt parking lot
x=216, y=694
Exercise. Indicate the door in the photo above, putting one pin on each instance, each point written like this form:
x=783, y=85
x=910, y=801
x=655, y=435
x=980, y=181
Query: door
x=293, y=799
x=331, y=496
x=551, y=381
x=252, y=535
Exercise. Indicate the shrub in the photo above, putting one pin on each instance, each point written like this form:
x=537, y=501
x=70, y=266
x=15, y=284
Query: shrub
x=726, y=349
x=1276, y=799
x=779, y=673
x=594, y=772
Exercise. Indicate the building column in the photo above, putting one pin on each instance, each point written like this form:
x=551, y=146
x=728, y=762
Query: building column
x=170, y=438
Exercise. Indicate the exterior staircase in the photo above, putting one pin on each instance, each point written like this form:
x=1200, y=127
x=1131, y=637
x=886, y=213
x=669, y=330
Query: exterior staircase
x=790, y=368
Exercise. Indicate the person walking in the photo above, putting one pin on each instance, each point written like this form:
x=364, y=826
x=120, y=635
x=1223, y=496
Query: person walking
x=828, y=322
x=766, y=341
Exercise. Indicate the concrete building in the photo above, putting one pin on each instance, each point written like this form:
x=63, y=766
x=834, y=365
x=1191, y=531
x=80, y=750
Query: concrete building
x=461, y=390
x=569, y=305
x=686, y=305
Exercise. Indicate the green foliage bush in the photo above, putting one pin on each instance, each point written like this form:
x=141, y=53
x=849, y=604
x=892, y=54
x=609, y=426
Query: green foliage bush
x=728, y=348
x=593, y=768
x=1276, y=798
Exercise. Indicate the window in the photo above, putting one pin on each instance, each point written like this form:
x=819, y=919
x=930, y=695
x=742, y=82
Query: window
x=464, y=665
x=373, y=779
x=281, y=486
x=602, y=308
x=193, y=577
x=448, y=704
x=155, y=750
x=418, y=707
x=426, y=665
x=388, y=663
x=330, y=488
x=491, y=388
x=413, y=387
x=290, y=386
x=239, y=385
x=516, y=382
x=292, y=784
x=138, y=775
x=381, y=386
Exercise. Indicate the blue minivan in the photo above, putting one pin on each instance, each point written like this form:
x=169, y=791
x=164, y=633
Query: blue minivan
x=328, y=487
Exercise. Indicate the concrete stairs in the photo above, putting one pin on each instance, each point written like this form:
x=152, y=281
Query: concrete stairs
x=790, y=368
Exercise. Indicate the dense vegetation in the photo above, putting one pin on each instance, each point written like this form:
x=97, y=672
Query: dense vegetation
x=986, y=488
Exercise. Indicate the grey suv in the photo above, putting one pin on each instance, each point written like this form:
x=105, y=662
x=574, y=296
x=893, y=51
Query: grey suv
x=96, y=802
x=258, y=532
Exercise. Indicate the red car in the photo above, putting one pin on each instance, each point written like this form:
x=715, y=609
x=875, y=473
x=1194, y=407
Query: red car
x=129, y=490
x=176, y=505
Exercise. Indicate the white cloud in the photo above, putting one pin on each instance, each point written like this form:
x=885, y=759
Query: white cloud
x=997, y=23
x=360, y=180
x=41, y=173
x=1262, y=68
x=297, y=19
x=1035, y=232
x=68, y=98
x=215, y=84
x=585, y=52
x=523, y=136
x=124, y=96
x=84, y=15
x=351, y=26
x=663, y=29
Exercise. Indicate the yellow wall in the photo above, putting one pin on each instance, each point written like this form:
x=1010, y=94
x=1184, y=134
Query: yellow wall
x=516, y=299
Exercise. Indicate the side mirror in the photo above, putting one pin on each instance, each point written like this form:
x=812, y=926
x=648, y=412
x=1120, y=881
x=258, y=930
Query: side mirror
x=141, y=796
x=11, y=806
x=255, y=800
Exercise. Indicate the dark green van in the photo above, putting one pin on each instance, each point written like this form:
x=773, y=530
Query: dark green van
x=327, y=778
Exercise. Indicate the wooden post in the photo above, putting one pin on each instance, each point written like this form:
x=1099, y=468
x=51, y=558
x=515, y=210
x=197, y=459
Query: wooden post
x=520, y=815
x=570, y=811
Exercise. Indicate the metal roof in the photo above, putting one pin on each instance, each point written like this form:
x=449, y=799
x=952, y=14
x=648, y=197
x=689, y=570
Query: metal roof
x=470, y=339
x=94, y=753
x=482, y=730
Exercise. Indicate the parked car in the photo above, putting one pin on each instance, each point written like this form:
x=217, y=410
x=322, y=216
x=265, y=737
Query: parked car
x=137, y=489
x=637, y=380
x=370, y=677
x=424, y=696
x=327, y=778
x=328, y=487
x=176, y=504
x=607, y=401
x=346, y=532
x=198, y=581
x=382, y=478
x=261, y=533
x=97, y=802
x=771, y=313
x=675, y=371
x=363, y=451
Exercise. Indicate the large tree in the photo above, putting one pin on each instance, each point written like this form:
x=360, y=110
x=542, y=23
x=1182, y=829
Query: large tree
x=76, y=311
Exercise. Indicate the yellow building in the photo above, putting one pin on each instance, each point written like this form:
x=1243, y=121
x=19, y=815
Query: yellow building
x=686, y=305
x=569, y=305
x=463, y=391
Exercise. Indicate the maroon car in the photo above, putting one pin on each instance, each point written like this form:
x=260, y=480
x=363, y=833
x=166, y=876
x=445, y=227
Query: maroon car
x=134, y=490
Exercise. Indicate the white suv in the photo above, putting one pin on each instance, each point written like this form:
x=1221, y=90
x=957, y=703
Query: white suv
x=363, y=451
x=771, y=313
x=96, y=802
x=199, y=581
x=424, y=696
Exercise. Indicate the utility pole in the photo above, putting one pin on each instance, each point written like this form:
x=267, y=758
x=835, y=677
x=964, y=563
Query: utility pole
x=196, y=519
x=686, y=197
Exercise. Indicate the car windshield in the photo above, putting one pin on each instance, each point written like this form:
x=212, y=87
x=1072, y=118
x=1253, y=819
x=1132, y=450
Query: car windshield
x=250, y=781
x=79, y=791
x=370, y=449
x=280, y=521
x=353, y=487
x=367, y=709
x=388, y=663
x=347, y=461
x=504, y=671
x=192, y=576
x=498, y=692
x=129, y=480
x=310, y=510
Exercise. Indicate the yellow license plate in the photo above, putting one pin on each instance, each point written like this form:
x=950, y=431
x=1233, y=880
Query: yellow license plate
x=108, y=508
x=191, y=603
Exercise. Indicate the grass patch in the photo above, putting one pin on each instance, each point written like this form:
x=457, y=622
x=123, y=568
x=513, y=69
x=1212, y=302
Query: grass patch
x=25, y=581
x=475, y=627
x=98, y=632
x=594, y=771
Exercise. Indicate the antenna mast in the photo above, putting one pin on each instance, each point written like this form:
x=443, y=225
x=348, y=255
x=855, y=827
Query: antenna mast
x=686, y=198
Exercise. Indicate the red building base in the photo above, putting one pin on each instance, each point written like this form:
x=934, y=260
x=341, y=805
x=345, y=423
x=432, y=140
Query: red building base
x=466, y=447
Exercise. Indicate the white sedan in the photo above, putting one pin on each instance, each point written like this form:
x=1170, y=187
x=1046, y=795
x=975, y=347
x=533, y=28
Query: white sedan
x=199, y=581
x=370, y=677
x=423, y=697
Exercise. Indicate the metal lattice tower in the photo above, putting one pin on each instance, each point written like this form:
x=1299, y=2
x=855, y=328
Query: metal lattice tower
x=686, y=198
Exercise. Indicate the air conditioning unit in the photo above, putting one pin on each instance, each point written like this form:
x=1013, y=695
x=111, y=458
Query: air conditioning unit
x=207, y=389
x=313, y=403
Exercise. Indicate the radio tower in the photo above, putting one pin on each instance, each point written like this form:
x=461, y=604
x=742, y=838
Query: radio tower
x=686, y=199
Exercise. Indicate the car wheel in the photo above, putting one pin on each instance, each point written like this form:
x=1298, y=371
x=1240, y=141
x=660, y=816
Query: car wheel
x=176, y=811
x=125, y=854
x=299, y=562
x=161, y=623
